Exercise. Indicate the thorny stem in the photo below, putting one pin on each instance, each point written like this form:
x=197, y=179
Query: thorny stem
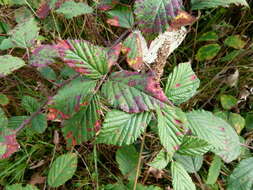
x=139, y=162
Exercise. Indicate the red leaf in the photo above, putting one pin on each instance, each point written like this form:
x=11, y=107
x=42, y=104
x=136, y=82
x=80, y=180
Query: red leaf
x=43, y=11
x=113, y=55
x=182, y=19
x=11, y=144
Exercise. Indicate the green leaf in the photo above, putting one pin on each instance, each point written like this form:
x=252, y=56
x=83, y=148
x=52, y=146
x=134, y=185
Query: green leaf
x=4, y=100
x=24, y=34
x=154, y=16
x=242, y=176
x=191, y=164
x=39, y=123
x=121, y=16
x=72, y=96
x=208, y=52
x=8, y=64
x=3, y=148
x=208, y=36
x=6, y=44
x=134, y=92
x=83, y=125
x=3, y=120
x=180, y=178
x=216, y=132
x=171, y=125
x=249, y=121
x=62, y=169
x=237, y=121
x=20, y=187
x=228, y=101
x=139, y=186
x=193, y=146
x=132, y=46
x=182, y=83
x=72, y=9
x=30, y=104
x=127, y=164
x=235, y=42
x=203, y=4
x=16, y=121
x=22, y=14
x=48, y=73
x=161, y=160
x=84, y=57
x=120, y=128
x=231, y=55
x=214, y=170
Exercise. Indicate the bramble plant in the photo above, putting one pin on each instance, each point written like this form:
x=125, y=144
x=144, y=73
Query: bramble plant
x=104, y=101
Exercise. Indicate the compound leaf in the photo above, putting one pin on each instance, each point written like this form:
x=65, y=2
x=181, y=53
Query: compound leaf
x=8, y=64
x=84, y=57
x=62, y=169
x=217, y=132
x=72, y=9
x=134, y=92
x=122, y=128
x=182, y=83
x=180, y=178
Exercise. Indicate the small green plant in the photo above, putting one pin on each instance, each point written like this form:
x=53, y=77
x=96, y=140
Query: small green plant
x=105, y=103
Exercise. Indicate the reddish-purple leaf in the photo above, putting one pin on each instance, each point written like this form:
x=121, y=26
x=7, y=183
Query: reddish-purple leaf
x=113, y=54
x=43, y=10
x=153, y=16
x=121, y=16
x=134, y=92
x=182, y=19
x=43, y=56
x=11, y=144
x=106, y=5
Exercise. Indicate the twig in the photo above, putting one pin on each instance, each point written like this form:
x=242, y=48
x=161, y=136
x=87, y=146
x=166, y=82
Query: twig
x=139, y=162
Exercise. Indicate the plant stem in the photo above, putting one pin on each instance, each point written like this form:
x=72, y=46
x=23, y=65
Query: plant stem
x=139, y=162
